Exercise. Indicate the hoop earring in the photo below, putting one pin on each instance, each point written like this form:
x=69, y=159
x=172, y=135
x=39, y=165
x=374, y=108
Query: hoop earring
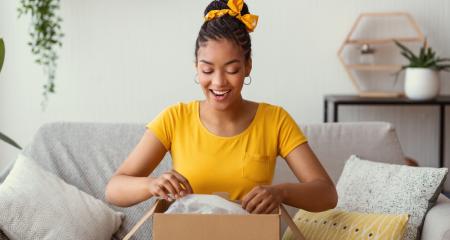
x=195, y=79
x=249, y=82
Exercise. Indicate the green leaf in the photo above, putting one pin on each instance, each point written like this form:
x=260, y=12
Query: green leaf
x=422, y=54
x=429, y=63
x=2, y=53
x=404, y=48
x=9, y=141
x=406, y=56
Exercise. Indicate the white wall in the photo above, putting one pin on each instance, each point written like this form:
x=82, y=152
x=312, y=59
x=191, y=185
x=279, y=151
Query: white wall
x=124, y=61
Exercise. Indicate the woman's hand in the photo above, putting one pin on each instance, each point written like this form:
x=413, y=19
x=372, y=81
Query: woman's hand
x=262, y=199
x=172, y=183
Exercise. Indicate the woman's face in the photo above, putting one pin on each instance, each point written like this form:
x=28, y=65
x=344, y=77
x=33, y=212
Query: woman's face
x=222, y=68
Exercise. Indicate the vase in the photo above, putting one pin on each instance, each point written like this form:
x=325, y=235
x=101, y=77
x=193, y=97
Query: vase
x=421, y=83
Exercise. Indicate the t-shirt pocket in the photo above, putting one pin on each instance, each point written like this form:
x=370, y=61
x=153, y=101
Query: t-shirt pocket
x=256, y=168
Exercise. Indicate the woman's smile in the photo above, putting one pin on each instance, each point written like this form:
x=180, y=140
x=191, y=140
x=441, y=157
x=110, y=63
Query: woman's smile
x=219, y=95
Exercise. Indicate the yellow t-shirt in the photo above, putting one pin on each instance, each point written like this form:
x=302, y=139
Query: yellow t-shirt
x=233, y=164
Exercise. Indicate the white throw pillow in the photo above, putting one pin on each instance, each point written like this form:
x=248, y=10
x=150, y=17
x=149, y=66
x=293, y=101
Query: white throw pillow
x=36, y=204
x=374, y=187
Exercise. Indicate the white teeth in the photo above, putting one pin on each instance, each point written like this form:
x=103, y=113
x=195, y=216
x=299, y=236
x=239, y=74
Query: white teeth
x=220, y=92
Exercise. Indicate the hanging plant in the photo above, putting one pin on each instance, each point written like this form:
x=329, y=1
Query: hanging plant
x=46, y=34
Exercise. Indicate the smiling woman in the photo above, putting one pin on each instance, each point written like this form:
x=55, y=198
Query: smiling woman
x=224, y=143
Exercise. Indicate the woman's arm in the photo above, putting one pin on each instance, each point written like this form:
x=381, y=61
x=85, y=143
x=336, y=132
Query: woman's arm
x=314, y=193
x=131, y=183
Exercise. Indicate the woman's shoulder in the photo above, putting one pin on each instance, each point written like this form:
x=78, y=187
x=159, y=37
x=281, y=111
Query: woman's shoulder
x=272, y=109
x=181, y=108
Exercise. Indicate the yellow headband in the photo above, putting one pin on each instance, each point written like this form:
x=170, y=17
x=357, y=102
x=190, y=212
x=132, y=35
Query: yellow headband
x=235, y=6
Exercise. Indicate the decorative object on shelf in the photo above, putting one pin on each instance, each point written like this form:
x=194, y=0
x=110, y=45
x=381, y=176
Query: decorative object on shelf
x=367, y=53
x=422, y=72
x=3, y=137
x=366, y=60
x=46, y=35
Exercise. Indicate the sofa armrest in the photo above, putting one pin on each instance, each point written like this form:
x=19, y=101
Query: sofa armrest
x=437, y=221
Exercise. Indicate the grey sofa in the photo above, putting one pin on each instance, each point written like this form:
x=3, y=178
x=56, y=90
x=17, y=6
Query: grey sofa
x=87, y=154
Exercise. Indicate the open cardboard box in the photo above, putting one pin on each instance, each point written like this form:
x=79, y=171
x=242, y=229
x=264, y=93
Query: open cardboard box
x=214, y=226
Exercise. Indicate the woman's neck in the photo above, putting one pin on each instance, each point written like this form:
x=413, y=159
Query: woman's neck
x=231, y=114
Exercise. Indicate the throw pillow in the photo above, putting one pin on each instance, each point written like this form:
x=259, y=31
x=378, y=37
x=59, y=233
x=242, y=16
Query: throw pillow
x=374, y=187
x=338, y=224
x=36, y=204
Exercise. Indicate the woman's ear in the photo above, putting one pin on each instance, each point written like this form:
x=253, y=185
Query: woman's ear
x=248, y=67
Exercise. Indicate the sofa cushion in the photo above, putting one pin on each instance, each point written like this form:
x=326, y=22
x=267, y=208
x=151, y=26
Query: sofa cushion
x=334, y=143
x=375, y=187
x=36, y=204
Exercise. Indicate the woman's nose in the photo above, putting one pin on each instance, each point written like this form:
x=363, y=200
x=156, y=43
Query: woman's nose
x=219, y=79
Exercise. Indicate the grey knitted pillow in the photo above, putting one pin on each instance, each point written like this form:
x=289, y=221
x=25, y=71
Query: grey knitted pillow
x=374, y=187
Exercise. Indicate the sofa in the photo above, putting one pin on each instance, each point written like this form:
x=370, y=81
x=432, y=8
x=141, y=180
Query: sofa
x=87, y=154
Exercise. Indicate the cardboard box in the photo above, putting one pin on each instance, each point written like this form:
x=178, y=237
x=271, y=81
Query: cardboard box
x=214, y=226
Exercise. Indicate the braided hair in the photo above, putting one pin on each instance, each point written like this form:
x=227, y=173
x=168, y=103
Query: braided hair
x=224, y=27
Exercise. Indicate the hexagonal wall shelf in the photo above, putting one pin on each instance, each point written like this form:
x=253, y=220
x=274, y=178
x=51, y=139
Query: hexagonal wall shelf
x=364, y=40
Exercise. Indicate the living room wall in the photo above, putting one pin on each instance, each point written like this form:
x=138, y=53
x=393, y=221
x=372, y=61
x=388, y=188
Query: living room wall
x=125, y=61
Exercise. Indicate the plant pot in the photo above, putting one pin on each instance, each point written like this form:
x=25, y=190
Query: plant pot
x=421, y=83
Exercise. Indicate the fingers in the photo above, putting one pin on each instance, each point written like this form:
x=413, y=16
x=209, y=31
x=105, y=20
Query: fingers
x=262, y=206
x=250, y=195
x=254, y=203
x=160, y=192
x=169, y=188
x=272, y=207
x=170, y=183
x=185, y=183
x=260, y=200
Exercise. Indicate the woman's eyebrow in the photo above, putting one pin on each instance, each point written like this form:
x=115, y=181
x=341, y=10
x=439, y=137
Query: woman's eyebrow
x=227, y=63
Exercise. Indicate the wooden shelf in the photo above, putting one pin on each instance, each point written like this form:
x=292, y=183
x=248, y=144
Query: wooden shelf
x=375, y=67
x=352, y=69
x=382, y=40
x=381, y=94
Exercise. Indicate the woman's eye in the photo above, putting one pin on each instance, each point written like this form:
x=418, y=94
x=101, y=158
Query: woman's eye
x=233, y=72
x=207, y=72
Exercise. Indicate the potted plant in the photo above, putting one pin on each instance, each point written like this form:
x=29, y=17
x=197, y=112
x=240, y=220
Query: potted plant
x=422, y=72
x=3, y=137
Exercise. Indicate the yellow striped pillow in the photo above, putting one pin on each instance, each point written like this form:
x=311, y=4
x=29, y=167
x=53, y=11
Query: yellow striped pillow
x=339, y=224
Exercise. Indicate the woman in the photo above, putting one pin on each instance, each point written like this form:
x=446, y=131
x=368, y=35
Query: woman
x=224, y=143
